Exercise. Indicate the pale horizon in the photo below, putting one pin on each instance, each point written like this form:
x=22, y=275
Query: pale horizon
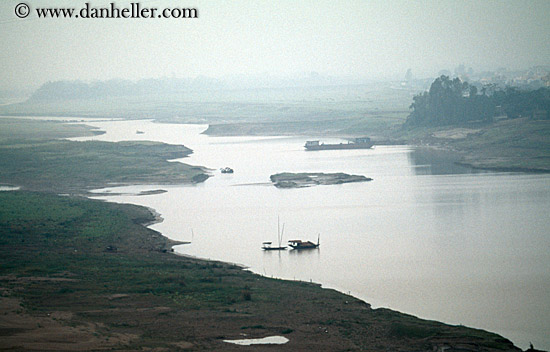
x=357, y=40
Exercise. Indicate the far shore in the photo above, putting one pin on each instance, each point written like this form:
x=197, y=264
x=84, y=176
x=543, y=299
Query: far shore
x=518, y=145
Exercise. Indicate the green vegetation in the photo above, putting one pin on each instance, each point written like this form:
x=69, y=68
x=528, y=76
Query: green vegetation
x=516, y=103
x=305, y=179
x=69, y=167
x=31, y=158
x=506, y=145
x=452, y=115
x=509, y=145
x=85, y=270
x=453, y=102
x=98, y=244
x=450, y=102
x=372, y=123
x=16, y=132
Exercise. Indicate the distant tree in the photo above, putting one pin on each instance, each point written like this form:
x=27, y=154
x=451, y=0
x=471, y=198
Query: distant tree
x=517, y=103
x=453, y=102
x=449, y=102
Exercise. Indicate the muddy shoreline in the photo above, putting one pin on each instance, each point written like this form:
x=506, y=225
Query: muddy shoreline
x=147, y=298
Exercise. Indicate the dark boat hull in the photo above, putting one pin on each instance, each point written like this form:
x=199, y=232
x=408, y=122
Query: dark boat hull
x=300, y=247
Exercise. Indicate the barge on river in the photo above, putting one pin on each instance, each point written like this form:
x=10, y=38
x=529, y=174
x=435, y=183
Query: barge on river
x=357, y=143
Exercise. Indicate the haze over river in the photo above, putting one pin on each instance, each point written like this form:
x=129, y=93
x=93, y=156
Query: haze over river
x=425, y=237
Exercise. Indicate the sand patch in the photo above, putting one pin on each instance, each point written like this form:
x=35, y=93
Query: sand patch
x=21, y=330
x=455, y=133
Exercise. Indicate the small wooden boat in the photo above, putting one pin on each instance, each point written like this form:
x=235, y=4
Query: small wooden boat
x=299, y=244
x=267, y=245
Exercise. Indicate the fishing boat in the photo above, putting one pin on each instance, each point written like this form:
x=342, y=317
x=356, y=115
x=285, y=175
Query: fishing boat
x=299, y=244
x=267, y=246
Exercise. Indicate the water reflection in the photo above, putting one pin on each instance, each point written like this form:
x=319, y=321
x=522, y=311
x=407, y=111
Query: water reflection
x=430, y=161
x=305, y=252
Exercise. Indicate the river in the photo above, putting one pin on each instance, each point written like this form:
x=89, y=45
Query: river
x=425, y=237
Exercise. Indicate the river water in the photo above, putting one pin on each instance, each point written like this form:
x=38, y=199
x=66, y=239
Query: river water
x=425, y=237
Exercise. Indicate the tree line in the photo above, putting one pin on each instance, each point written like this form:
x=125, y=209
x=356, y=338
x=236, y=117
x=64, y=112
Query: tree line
x=453, y=102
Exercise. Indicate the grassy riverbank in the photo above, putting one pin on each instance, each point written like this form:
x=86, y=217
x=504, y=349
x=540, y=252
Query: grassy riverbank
x=304, y=179
x=32, y=156
x=506, y=145
x=373, y=123
x=78, y=274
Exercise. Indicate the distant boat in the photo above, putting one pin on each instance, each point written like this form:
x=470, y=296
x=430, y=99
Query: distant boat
x=226, y=170
x=266, y=246
x=357, y=143
x=299, y=244
x=140, y=132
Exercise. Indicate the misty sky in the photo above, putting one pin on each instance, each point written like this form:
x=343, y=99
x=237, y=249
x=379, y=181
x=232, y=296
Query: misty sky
x=367, y=39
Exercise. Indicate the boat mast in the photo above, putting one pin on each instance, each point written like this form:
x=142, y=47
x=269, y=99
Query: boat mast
x=281, y=235
x=278, y=229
